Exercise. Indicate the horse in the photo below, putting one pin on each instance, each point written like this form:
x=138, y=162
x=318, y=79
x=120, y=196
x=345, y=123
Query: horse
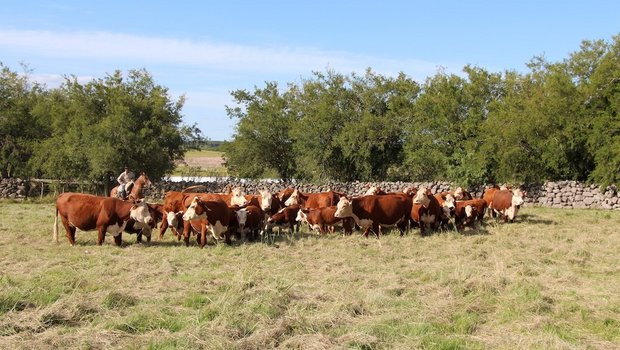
x=136, y=190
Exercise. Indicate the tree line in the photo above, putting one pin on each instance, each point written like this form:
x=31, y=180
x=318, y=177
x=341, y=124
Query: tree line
x=556, y=121
x=90, y=131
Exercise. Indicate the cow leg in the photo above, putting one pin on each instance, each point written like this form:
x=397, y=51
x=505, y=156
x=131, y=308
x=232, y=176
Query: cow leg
x=70, y=230
x=163, y=227
x=402, y=226
x=118, y=239
x=376, y=228
x=187, y=230
x=202, y=237
x=101, y=234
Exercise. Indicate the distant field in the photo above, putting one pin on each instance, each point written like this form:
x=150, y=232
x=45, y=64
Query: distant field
x=548, y=281
x=201, y=163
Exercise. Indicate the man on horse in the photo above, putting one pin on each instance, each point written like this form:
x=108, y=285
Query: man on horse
x=125, y=181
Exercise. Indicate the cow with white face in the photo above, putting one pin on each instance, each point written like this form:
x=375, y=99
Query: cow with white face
x=448, y=205
x=202, y=216
x=293, y=199
x=506, y=203
x=374, y=212
x=426, y=211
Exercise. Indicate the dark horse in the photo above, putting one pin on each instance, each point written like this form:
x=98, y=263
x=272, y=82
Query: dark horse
x=135, y=187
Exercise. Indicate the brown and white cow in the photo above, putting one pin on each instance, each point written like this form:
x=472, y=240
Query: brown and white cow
x=323, y=219
x=465, y=214
x=206, y=215
x=105, y=214
x=448, y=205
x=426, y=211
x=284, y=218
x=506, y=203
x=174, y=207
x=133, y=227
x=252, y=222
x=314, y=200
x=461, y=195
x=374, y=212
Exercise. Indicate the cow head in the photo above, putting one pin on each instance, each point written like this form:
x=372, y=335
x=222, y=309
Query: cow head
x=238, y=198
x=449, y=205
x=196, y=210
x=372, y=190
x=410, y=191
x=458, y=193
x=301, y=216
x=421, y=197
x=517, y=197
x=293, y=199
x=140, y=212
x=266, y=200
x=242, y=217
x=344, y=208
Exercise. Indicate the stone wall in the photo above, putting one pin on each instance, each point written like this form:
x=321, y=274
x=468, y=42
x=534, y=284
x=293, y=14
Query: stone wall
x=558, y=194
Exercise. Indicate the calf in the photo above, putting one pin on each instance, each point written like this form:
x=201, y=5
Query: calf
x=321, y=218
x=106, y=214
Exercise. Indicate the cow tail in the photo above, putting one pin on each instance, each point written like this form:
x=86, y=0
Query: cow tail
x=55, y=236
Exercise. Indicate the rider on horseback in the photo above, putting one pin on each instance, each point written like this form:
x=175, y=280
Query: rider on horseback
x=125, y=180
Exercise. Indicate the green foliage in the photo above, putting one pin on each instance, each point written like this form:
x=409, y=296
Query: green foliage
x=559, y=121
x=20, y=128
x=94, y=129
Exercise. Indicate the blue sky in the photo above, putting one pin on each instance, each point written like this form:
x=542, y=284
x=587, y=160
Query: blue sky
x=205, y=49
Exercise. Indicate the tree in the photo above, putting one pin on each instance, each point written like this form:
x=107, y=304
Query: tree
x=261, y=146
x=19, y=128
x=602, y=106
x=98, y=127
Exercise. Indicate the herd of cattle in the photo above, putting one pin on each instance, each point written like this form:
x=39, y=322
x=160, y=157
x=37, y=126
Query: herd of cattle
x=248, y=217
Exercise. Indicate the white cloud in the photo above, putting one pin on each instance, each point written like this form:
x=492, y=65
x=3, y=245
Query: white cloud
x=54, y=80
x=232, y=57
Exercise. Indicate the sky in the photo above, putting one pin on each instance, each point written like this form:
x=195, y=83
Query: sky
x=206, y=49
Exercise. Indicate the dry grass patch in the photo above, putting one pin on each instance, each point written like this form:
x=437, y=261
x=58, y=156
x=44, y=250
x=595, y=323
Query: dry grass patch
x=548, y=281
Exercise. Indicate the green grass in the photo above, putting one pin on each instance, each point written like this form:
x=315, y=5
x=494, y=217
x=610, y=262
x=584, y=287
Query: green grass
x=548, y=281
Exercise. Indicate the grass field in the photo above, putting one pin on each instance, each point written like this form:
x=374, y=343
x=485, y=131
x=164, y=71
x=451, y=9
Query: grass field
x=551, y=280
x=201, y=163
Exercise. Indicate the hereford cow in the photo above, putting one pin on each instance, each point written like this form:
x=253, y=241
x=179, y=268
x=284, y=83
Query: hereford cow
x=284, y=218
x=206, y=215
x=448, y=205
x=465, y=214
x=426, y=211
x=314, y=200
x=373, y=212
x=506, y=203
x=285, y=194
x=267, y=202
x=175, y=204
x=106, y=214
x=461, y=195
x=254, y=219
x=133, y=227
x=321, y=218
